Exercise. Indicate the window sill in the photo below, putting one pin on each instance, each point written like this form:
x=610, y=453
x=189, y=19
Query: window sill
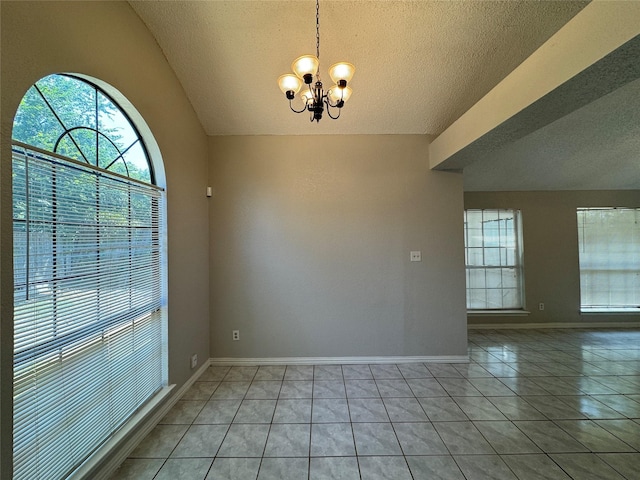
x=610, y=311
x=497, y=313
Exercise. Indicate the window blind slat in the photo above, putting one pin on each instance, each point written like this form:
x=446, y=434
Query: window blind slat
x=88, y=334
x=609, y=256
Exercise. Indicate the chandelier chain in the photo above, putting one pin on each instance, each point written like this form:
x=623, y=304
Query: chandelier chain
x=318, y=29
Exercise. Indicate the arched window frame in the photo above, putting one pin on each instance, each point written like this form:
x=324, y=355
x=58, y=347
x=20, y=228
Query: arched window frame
x=25, y=152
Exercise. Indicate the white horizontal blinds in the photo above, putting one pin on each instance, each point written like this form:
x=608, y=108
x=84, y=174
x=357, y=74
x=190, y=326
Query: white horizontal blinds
x=493, y=259
x=88, y=341
x=609, y=252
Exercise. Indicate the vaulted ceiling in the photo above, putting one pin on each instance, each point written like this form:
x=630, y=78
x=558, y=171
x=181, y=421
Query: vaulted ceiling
x=419, y=66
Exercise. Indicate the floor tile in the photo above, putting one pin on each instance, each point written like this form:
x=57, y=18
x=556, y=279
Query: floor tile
x=264, y=389
x=296, y=389
x=375, y=439
x=620, y=403
x=299, y=372
x=620, y=385
x=426, y=387
x=506, y=438
x=327, y=372
x=501, y=370
x=385, y=372
x=214, y=374
x=332, y=440
x=559, y=385
x=405, y=410
x=419, y=439
x=184, y=469
x=200, y=391
x=463, y=438
x=459, y=387
x=626, y=430
x=328, y=389
x=491, y=387
x=591, y=386
x=478, y=408
x=586, y=466
x=284, y=469
x=234, y=469
x=293, y=411
x=534, y=467
x=218, y=411
x=442, y=370
x=231, y=390
x=255, y=411
x=549, y=437
x=160, y=442
x=240, y=374
x=288, y=440
x=529, y=403
x=589, y=407
x=472, y=370
x=435, y=467
x=593, y=436
x=524, y=386
x=201, y=441
x=516, y=408
x=244, y=441
x=183, y=412
x=384, y=468
x=414, y=370
x=626, y=464
x=138, y=469
x=442, y=409
x=361, y=389
x=334, y=468
x=357, y=372
x=484, y=467
x=367, y=410
x=270, y=372
x=329, y=410
x=553, y=407
x=394, y=388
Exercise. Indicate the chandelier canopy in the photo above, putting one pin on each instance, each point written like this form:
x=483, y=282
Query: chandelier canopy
x=314, y=98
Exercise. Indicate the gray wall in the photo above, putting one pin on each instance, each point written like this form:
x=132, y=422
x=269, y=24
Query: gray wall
x=550, y=237
x=107, y=41
x=310, y=242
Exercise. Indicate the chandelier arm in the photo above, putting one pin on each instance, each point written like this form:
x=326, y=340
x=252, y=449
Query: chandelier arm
x=294, y=110
x=329, y=110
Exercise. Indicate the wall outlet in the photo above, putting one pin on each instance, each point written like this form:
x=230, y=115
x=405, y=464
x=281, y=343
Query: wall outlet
x=236, y=335
x=541, y=306
x=415, y=256
x=194, y=360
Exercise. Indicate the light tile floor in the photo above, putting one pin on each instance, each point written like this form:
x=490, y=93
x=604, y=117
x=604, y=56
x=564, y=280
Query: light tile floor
x=530, y=404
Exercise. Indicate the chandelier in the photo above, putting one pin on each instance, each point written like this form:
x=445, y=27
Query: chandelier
x=314, y=98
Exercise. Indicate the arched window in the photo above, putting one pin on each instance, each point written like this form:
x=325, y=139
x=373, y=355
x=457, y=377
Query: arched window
x=88, y=223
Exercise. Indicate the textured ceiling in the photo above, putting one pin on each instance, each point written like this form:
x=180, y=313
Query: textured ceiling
x=419, y=64
x=596, y=147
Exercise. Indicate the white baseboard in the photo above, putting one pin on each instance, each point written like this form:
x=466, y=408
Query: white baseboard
x=108, y=458
x=511, y=326
x=226, y=361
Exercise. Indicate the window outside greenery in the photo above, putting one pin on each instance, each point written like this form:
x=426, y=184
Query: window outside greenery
x=68, y=116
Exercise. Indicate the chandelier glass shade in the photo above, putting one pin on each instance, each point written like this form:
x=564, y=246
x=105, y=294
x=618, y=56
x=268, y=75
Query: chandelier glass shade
x=313, y=96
